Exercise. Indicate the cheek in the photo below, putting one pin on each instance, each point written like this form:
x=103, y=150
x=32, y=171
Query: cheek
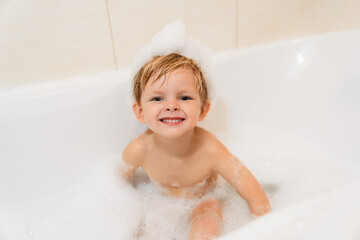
x=151, y=111
x=193, y=110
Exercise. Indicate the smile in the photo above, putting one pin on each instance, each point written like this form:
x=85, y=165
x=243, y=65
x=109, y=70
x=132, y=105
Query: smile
x=172, y=120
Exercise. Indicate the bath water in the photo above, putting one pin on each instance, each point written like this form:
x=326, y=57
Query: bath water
x=103, y=206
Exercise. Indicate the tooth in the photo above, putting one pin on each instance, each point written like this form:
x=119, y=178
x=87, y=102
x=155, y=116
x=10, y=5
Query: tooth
x=172, y=120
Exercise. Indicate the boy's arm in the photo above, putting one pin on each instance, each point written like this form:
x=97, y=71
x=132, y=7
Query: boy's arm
x=234, y=172
x=131, y=159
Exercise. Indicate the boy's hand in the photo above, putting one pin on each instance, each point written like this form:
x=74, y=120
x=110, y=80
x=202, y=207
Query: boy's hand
x=259, y=209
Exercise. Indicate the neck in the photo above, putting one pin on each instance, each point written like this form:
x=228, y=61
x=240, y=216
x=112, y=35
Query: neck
x=177, y=147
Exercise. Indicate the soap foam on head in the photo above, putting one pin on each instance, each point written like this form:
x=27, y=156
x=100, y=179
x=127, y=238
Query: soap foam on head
x=173, y=38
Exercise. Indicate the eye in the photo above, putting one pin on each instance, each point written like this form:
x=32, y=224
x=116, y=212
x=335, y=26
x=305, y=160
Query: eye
x=156, y=99
x=185, y=98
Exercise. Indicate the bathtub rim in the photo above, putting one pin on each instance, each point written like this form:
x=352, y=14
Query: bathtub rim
x=123, y=74
x=44, y=88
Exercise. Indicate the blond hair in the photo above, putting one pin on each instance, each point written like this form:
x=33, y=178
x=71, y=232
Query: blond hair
x=162, y=65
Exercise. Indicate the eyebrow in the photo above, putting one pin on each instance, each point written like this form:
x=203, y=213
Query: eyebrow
x=186, y=91
x=157, y=92
x=179, y=90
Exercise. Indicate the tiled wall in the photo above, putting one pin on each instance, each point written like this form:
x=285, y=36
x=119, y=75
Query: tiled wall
x=43, y=40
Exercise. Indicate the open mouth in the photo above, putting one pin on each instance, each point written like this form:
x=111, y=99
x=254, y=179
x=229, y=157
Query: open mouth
x=172, y=121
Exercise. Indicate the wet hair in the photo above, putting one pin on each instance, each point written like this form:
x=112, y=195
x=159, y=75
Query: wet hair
x=159, y=66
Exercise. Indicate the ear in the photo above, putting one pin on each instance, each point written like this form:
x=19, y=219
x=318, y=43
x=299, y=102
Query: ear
x=204, y=110
x=137, y=109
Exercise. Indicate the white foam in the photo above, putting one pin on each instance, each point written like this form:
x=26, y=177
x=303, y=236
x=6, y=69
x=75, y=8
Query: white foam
x=103, y=206
x=173, y=38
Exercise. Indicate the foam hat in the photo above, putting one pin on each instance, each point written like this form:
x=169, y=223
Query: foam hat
x=173, y=38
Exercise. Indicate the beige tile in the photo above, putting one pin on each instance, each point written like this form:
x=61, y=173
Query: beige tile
x=43, y=40
x=337, y=15
x=134, y=23
x=262, y=21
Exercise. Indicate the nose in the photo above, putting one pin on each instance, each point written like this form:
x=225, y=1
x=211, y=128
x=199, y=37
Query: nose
x=171, y=109
x=172, y=106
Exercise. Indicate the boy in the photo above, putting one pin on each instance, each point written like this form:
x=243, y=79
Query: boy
x=170, y=98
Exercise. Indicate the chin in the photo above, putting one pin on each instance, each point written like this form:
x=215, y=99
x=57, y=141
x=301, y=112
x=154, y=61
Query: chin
x=176, y=133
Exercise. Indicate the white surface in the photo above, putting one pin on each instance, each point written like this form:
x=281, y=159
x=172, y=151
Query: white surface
x=289, y=110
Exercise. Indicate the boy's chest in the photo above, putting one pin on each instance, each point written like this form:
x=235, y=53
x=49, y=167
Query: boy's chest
x=170, y=171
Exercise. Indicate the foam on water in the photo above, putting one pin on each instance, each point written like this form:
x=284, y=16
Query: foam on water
x=103, y=206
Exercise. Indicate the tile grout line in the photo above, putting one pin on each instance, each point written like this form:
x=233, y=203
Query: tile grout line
x=111, y=34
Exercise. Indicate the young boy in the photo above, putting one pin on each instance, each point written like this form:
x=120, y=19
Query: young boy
x=170, y=98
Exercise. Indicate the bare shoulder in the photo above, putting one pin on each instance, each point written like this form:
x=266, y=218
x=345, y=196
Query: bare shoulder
x=209, y=138
x=214, y=147
x=135, y=151
x=222, y=160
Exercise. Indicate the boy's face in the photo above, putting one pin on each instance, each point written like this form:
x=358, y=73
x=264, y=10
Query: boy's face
x=171, y=107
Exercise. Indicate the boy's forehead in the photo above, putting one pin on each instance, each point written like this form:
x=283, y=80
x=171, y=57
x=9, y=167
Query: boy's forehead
x=184, y=76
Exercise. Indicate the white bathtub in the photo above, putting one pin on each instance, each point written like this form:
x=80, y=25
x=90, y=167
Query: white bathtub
x=290, y=110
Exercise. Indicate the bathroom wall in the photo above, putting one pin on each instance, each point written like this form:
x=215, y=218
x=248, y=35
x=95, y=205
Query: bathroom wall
x=44, y=40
